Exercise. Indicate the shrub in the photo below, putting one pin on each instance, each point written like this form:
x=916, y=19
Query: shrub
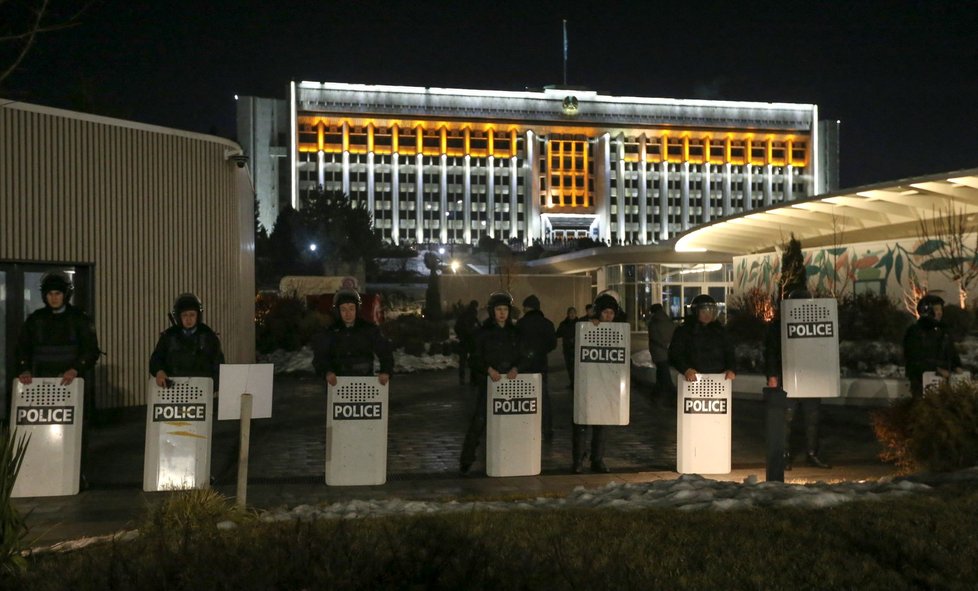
x=748, y=316
x=414, y=331
x=958, y=322
x=13, y=529
x=871, y=317
x=938, y=432
x=285, y=323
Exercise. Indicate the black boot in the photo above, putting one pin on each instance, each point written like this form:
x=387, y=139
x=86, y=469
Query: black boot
x=812, y=459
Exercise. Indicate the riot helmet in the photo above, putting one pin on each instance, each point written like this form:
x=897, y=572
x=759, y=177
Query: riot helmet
x=56, y=281
x=926, y=304
x=186, y=302
x=703, y=302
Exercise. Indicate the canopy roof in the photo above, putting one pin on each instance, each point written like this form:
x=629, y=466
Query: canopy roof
x=883, y=211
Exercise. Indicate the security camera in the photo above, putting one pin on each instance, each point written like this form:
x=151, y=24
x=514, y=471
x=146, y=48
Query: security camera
x=239, y=159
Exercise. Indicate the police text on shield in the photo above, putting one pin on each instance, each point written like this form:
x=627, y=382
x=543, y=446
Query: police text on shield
x=179, y=412
x=808, y=330
x=705, y=406
x=355, y=411
x=514, y=406
x=45, y=415
x=602, y=354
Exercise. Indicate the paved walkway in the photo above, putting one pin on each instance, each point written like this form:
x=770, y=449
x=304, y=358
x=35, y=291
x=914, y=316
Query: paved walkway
x=429, y=413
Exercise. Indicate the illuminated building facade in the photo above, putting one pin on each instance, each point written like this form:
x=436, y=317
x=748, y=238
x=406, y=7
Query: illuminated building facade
x=452, y=165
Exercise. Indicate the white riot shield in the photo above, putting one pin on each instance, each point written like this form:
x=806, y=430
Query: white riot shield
x=356, y=432
x=51, y=415
x=932, y=378
x=513, y=426
x=178, y=435
x=703, y=425
x=602, y=373
x=810, y=348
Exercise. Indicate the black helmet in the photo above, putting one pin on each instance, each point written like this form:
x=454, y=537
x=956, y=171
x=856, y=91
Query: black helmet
x=499, y=298
x=346, y=296
x=607, y=299
x=56, y=281
x=188, y=301
x=703, y=302
x=925, y=307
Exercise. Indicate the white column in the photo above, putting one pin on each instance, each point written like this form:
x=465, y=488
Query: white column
x=789, y=183
x=643, y=191
x=467, y=201
x=490, y=195
x=748, y=192
x=396, y=198
x=370, y=183
x=513, y=200
x=684, y=196
x=620, y=189
x=602, y=185
x=443, y=199
x=346, y=161
x=768, y=184
x=664, y=199
x=727, y=188
x=707, y=199
x=419, y=198
x=531, y=186
x=321, y=168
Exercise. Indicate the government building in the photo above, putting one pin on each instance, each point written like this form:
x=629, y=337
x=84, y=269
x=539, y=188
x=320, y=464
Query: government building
x=450, y=166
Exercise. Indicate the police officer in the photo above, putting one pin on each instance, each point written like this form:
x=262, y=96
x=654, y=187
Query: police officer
x=348, y=348
x=496, y=354
x=189, y=348
x=701, y=344
x=565, y=332
x=57, y=340
x=606, y=308
x=927, y=346
x=466, y=326
x=809, y=406
x=538, y=339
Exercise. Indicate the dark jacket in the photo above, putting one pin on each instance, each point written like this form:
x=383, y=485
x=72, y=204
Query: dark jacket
x=50, y=344
x=566, y=332
x=661, y=329
x=188, y=355
x=537, y=338
x=350, y=351
x=466, y=325
x=926, y=347
x=703, y=347
x=497, y=347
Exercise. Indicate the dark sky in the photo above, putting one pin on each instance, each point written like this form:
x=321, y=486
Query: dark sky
x=901, y=76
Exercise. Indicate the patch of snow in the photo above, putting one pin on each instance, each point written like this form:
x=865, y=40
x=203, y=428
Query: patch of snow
x=301, y=361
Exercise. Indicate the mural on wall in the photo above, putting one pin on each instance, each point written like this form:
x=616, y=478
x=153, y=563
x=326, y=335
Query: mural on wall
x=894, y=269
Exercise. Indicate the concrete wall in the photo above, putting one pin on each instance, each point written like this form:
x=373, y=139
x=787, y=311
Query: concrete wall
x=556, y=292
x=151, y=212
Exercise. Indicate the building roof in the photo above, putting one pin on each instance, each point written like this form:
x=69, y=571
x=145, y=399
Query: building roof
x=883, y=211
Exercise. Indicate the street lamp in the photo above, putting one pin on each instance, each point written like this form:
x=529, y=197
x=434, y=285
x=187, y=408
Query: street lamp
x=455, y=265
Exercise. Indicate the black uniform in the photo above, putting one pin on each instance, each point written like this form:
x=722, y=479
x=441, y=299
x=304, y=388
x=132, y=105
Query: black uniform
x=927, y=347
x=565, y=332
x=809, y=406
x=703, y=347
x=497, y=347
x=53, y=342
x=350, y=350
x=466, y=326
x=537, y=340
x=188, y=353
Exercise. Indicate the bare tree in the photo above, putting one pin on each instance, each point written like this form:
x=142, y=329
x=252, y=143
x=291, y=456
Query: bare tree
x=23, y=21
x=950, y=233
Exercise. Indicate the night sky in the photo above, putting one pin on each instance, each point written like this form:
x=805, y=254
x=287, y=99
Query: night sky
x=901, y=76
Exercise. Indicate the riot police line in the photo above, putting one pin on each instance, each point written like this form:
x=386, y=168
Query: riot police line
x=510, y=405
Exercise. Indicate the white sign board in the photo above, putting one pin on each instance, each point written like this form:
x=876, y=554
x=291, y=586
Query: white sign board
x=703, y=426
x=513, y=426
x=602, y=373
x=810, y=348
x=178, y=434
x=238, y=379
x=51, y=415
x=356, y=432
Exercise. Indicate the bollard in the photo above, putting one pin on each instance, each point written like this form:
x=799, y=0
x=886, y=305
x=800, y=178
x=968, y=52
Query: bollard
x=774, y=404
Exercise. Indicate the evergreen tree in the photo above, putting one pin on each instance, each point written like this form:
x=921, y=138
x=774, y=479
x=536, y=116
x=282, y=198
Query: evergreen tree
x=794, y=276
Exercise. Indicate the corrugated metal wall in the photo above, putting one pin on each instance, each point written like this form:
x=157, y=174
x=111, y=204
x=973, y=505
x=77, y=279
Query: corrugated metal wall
x=154, y=211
